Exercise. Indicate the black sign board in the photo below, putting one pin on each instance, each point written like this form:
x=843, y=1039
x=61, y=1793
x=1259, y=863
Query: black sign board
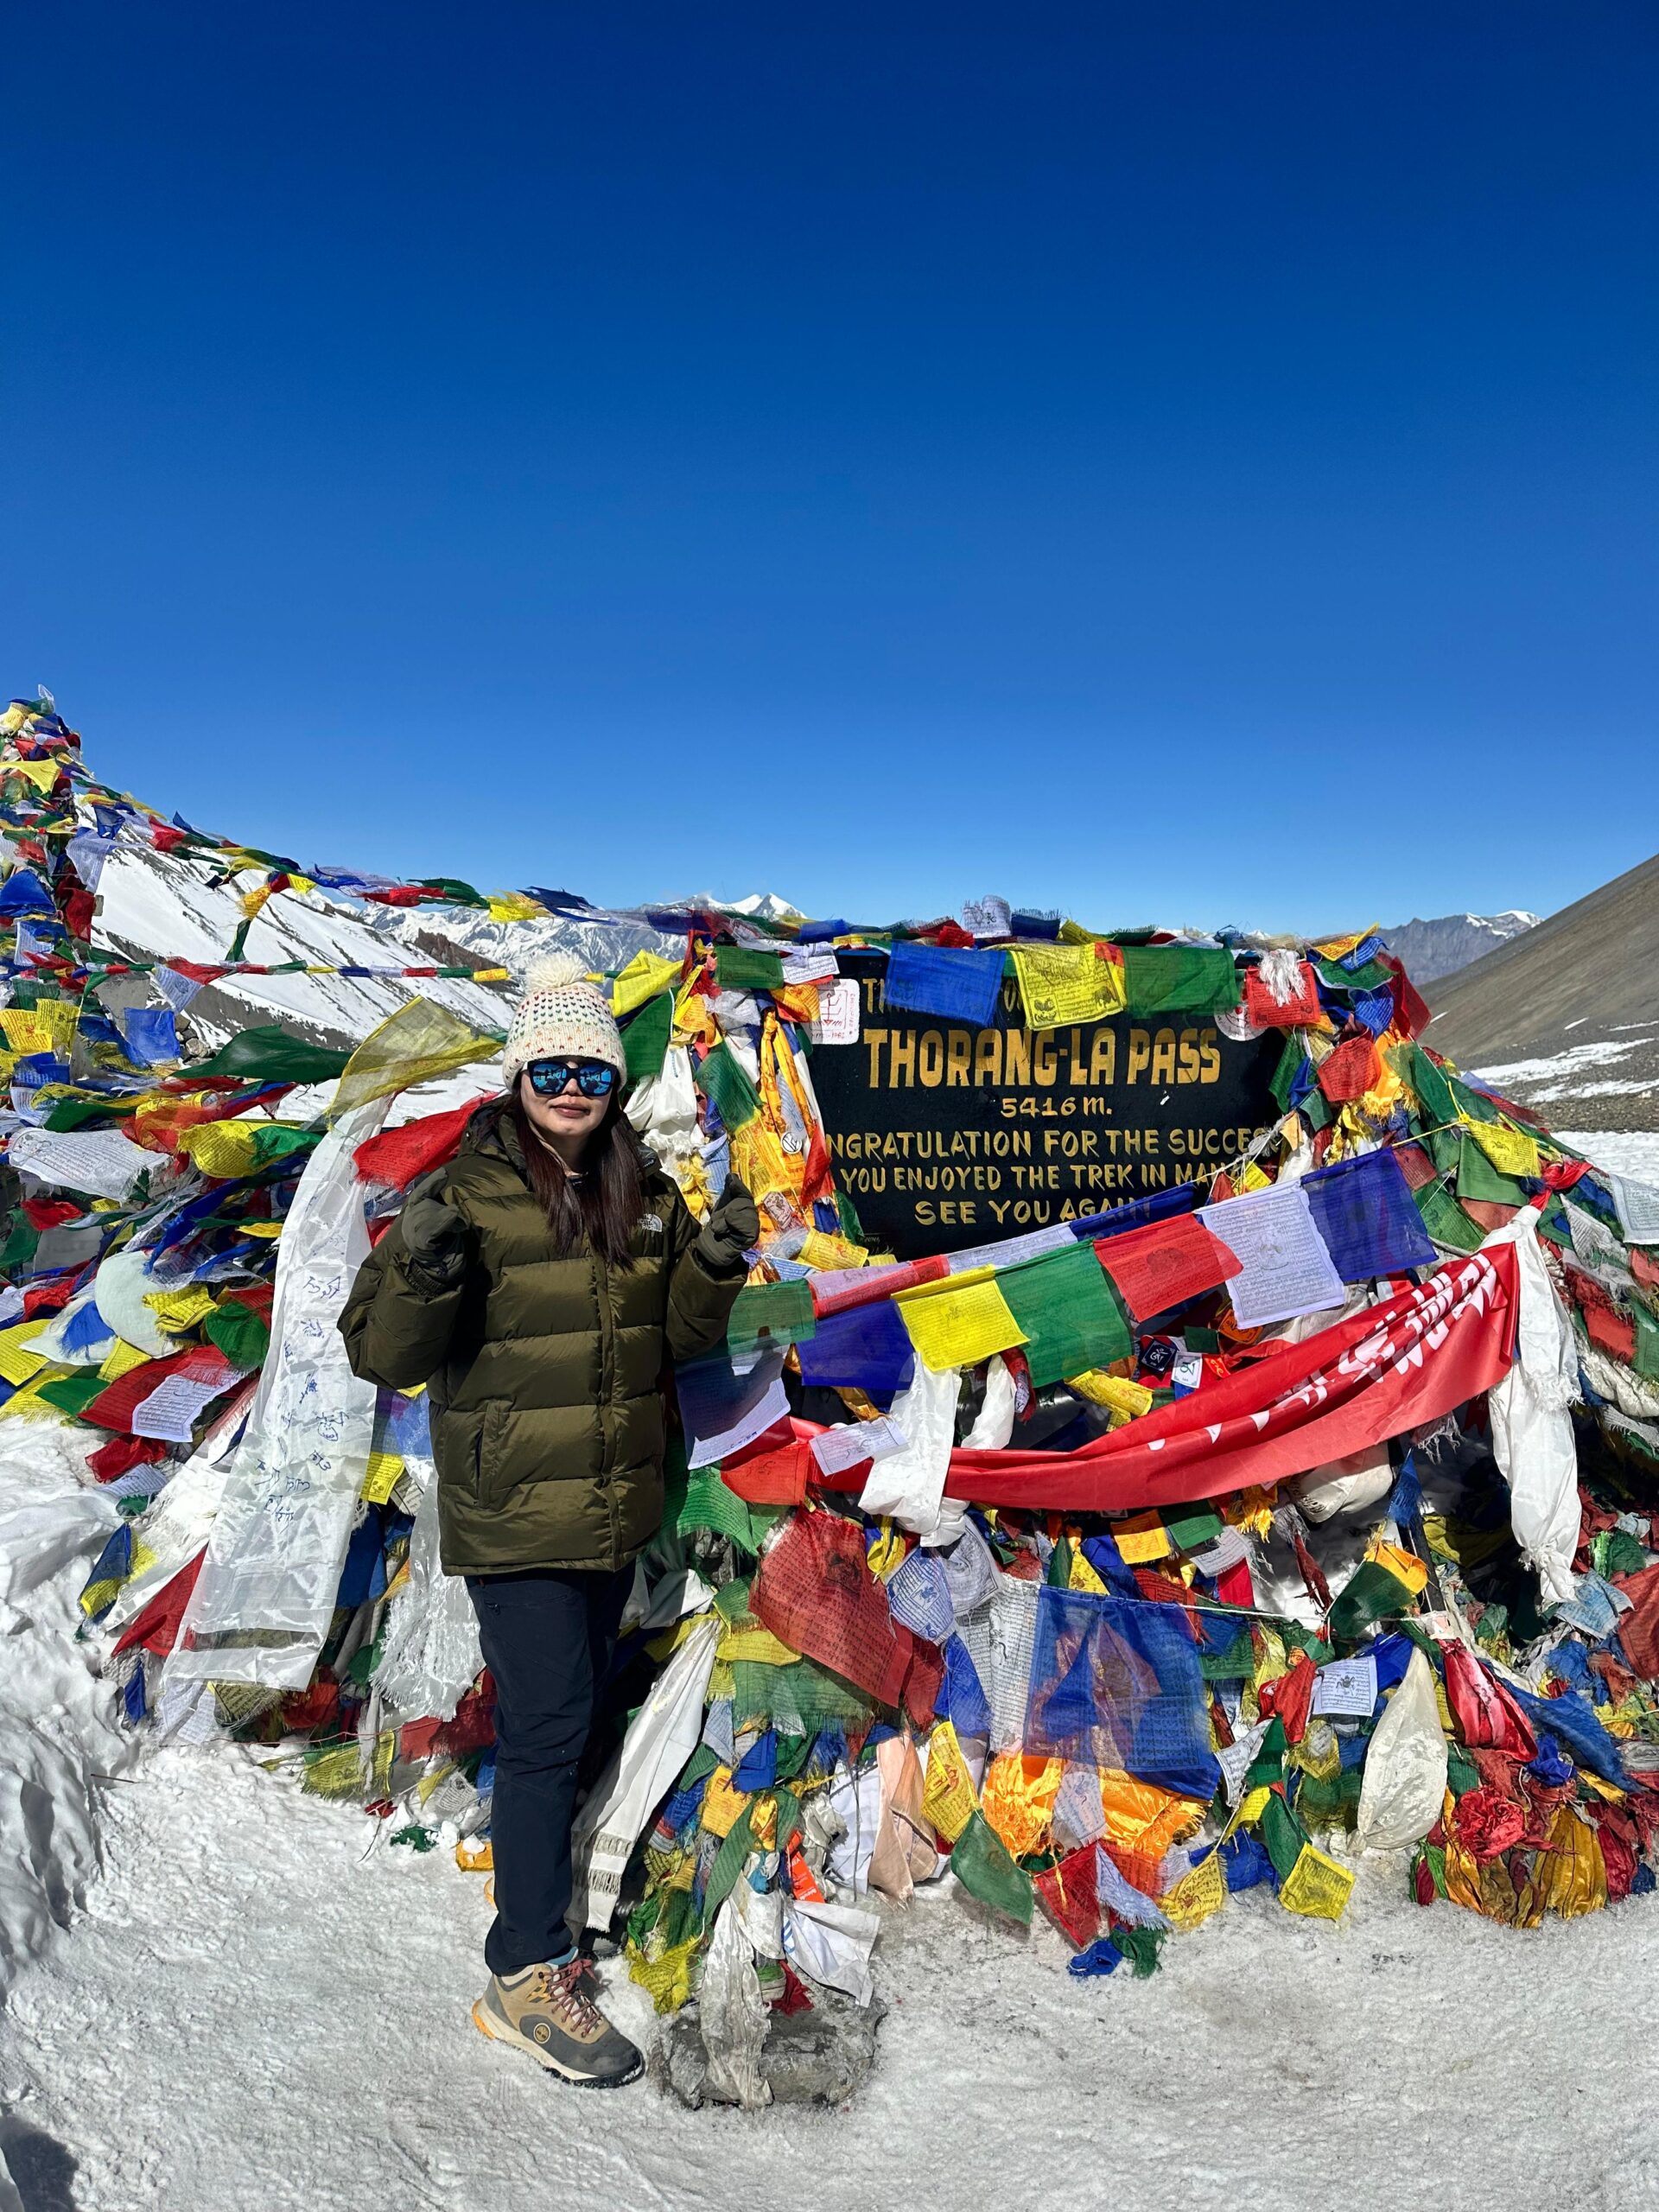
x=946, y=1136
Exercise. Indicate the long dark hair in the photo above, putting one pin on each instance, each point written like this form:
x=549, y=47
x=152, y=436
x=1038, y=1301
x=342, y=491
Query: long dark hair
x=604, y=1205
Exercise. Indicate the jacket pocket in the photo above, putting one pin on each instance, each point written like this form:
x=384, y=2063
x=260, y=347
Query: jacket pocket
x=489, y=1453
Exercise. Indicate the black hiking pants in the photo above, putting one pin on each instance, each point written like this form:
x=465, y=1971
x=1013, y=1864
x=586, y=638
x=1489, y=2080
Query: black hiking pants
x=547, y=1636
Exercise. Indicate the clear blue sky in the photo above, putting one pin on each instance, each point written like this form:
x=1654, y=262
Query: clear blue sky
x=1189, y=461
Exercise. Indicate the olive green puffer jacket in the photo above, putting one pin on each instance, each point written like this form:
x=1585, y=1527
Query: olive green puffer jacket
x=546, y=1374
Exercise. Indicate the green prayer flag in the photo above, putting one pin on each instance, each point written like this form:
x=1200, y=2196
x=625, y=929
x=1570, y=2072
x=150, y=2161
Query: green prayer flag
x=710, y=1503
x=1429, y=1081
x=1232, y=1664
x=1069, y=1312
x=723, y=1077
x=1140, y=1947
x=701, y=1763
x=1477, y=1179
x=1371, y=977
x=782, y=1311
x=1370, y=1593
x=980, y=1863
x=76, y=1113
x=1192, y=1530
x=73, y=1393
x=1647, y=1344
x=1282, y=1835
x=1292, y=1057
x=729, y=1862
x=456, y=893
x=1180, y=979
x=1471, y=1103
x=241, y=1336
x=272, y=1142
x=21, y=1238
x=738, y=968
x=1446, y=1220
x=1269, y=1765
x=272, y=1054
x=644, y=1041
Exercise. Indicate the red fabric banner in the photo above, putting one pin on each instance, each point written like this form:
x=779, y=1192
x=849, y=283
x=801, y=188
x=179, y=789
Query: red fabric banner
x=1384, y=1369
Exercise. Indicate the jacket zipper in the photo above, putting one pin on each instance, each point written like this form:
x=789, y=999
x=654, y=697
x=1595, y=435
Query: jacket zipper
x=607, y=1372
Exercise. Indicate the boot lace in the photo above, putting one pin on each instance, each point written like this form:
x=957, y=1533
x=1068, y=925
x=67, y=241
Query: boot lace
x=570, y=1991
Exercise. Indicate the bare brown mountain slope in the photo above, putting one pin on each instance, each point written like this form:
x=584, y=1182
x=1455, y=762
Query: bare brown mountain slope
x=1581, y=992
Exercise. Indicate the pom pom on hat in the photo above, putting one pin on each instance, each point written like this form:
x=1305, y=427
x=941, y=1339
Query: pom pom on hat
x=562, y=1016
x=551, y=971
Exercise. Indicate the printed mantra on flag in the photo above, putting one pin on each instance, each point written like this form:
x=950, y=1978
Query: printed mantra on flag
x=944, y=1135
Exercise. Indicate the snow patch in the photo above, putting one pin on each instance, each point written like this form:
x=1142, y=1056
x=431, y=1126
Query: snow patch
x=57, y=1728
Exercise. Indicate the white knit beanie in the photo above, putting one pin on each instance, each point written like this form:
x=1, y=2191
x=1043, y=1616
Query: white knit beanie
x=560, y=1017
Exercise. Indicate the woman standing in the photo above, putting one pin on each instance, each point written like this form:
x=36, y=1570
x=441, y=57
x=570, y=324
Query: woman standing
x=540, y=1284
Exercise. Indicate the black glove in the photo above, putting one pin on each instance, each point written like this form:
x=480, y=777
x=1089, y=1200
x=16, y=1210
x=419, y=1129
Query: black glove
x=732, y=1227
x=438, y=1240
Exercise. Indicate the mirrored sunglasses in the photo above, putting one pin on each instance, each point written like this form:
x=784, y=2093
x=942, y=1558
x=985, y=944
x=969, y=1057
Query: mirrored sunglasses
x=552, y=1078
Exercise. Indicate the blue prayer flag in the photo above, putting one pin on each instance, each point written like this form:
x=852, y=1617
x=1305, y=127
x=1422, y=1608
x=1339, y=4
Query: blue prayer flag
x=950, y=980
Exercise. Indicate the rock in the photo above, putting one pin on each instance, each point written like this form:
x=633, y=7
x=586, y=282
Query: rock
x=823, y=2056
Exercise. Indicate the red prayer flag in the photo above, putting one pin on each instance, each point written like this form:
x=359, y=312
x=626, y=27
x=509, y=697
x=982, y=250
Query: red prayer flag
x=1350, y=1071
x=814, y=1590
x=1166, y=1263
x=1301, y=1010
x=156, y=1628
x=771, y=1473
x=398, y=1156
x=1069, y=1895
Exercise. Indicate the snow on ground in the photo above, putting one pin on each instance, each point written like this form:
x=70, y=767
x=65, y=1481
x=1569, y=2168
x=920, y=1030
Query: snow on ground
x=261, y=2003
x=1611, y=1078
x=56, y=1735
x=255, y=2013
x=1623, y=1152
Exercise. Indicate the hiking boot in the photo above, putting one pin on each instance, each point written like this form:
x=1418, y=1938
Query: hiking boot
x=551, y=2013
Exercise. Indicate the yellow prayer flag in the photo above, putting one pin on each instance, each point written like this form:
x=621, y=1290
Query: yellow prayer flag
x=26, y=1400
x=1197, y=1895
x=1512, y=1152
x=759, y=1646
x=1334, y=948
x=646, y=975
x=960, y=1322
x=122, y=1360
x=224, y=1150
x=1404, y=1565
x=381, y=1478
x=1060, y=983
x=514, y=906
x=41, y=773
x=886, y=1554
x=820, y=1249
x=1084, y=1577
x=175, y=1311
x=1316, y=1887
x=419, y=1042
x=723, y=1806
x=948, y=1799
x=18, y=1364
x=26, y=1030
x=1130, y=1399
x=1141, y=1540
